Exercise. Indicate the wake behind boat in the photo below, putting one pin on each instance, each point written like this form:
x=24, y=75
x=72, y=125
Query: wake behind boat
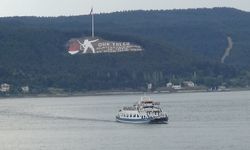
x=144, y=111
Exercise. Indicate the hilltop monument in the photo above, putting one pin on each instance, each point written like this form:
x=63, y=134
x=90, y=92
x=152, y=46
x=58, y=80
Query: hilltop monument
x=94, y=45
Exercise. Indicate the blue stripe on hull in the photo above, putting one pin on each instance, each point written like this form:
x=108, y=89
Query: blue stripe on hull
x=124, y=120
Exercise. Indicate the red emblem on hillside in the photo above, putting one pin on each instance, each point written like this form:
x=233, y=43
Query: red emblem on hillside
x=74, y=47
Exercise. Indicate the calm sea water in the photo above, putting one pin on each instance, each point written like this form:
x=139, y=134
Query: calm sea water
x=197, y=121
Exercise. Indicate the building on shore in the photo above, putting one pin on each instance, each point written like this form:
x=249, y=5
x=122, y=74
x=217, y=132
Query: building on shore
x=177, y=87
x=173, y=86
x=5, y=87
x=169, y=85
x=149, y=86
x=189, y=84
x=25, y=89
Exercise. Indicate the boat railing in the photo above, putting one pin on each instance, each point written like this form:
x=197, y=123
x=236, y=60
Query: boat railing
x=160, y=115
x=129, y=108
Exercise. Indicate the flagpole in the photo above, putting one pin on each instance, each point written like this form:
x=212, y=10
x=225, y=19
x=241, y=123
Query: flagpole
x=93, y=27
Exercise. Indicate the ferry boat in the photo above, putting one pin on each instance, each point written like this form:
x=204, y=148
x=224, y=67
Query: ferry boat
x=144, y=111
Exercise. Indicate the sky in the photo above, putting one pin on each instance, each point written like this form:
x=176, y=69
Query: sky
x=82, y=7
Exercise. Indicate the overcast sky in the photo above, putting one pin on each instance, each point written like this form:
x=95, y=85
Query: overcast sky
x=79, y=7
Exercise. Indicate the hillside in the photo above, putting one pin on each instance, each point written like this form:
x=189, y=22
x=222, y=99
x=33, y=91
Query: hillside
x=176, y=44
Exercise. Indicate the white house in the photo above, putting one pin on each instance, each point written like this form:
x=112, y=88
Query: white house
x=25, y=89
x=169, y=84
x=189, y=83
x=150, y=86
x=177, y=87
x=5, y=87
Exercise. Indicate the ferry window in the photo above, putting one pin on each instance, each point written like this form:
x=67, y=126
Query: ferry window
x=130, y=115
x=134, y=115
x=127, y=115
x=137, y=116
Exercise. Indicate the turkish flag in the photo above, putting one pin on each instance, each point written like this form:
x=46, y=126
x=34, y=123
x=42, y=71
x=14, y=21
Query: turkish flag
x=74, y=47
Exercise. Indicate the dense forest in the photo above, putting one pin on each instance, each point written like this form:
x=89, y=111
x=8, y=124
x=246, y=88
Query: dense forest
x=177, y=44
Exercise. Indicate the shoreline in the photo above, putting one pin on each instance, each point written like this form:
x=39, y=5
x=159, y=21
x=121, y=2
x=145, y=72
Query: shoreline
x=110, y=93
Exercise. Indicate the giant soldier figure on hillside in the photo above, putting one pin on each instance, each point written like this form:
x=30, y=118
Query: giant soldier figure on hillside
x=86, y=45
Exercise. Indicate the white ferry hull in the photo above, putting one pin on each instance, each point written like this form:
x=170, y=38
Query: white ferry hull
x=143, y=121
x=163, y=120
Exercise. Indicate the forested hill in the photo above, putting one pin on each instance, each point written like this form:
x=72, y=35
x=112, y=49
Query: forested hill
x=177, y=44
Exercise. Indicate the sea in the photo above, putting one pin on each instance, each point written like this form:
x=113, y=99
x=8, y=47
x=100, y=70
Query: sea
x=197, y=121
